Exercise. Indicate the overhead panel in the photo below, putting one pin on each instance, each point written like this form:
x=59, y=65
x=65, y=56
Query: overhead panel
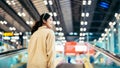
x=67, y=14
x=11, y=21
x=3, y=27
x=30, y=8
x=40, y=6
x=14, y=15
x=21, y=12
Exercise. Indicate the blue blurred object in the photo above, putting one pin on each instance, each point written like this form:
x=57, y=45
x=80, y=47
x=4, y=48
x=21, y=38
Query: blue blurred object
x=69, y=59
x=92, y=59
x=104, y=5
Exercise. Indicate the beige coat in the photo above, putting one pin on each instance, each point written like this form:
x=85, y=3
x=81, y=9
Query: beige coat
x=41, y=49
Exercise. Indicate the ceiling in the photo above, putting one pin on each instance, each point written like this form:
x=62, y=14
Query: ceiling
x=92, y=15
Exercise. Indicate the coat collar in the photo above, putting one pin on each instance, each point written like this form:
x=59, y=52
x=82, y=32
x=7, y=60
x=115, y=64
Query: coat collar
x=42, y=27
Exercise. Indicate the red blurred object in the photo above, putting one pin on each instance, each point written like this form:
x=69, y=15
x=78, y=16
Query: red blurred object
x=71, y=49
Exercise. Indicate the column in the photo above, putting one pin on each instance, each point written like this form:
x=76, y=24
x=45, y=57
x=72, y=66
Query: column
x=112, y=40
x=108, y=43
x=118, y=23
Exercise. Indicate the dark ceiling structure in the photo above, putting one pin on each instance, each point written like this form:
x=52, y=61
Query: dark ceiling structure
x=77, y=18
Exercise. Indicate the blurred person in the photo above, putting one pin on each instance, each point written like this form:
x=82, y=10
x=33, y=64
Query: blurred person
x=41, y=52
x=69, y=59
x=19, y=46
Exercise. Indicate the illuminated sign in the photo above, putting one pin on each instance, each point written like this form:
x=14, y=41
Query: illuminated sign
x=8, y=34
x=70, y=47
x=81, y=48
x=104, y=5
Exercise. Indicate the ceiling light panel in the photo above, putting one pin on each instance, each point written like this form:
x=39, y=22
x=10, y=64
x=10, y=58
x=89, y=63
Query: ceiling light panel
x=21, y=11
x=39, y=4
x=8, y=18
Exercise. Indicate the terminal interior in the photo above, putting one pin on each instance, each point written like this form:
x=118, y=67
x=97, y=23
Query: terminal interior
x=87, y=32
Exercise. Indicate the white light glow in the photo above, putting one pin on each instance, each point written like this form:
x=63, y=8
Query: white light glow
x=81, y=41
x=58, y=22
x=8, y=2
x=81, y=29
x=82, y=23
x=103, y=38
x=110, y=23
x=89, y=2
x=84, y=2
x=71, y=33
x=60, y=28
x=16, y=42
x=19, y=13
x=109, y=29
x=23, y=14
x=84, y=29
x=13, y=2
x=80, y=48
x=59, y=48
x=61, y=34
x=16, y=33
x=102, y=34
x=13, y=40
x=87, y=14
x=50, y=2
x=55, y=14
x=86, y=22
x=45, y=2
x=83, y=14
x=31, y=22
x=75, y=33
x=5, y=22
x=6, y=38
x=105, y=34
x=80, y=34
x=110, y=35
x=57, y=28
x=116, y=14
x=83, y=34
x=12, y=28
x=25, y=37
x=114, y=29
x=15, y=37
x=1, y=33
x=20, y=33
x=114, y=23
x=106, y=38
x=50, y=13
x=95, y=40
x=106, y=29
x=100, y=39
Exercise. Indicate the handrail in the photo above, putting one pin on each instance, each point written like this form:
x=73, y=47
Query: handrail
x=12, y=51
x=114, y=57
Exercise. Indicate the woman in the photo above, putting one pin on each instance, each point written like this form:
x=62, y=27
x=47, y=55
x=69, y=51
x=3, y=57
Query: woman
x=41, y=46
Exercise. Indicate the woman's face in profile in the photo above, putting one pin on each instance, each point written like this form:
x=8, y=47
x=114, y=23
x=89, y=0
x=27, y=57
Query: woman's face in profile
x=49, y=23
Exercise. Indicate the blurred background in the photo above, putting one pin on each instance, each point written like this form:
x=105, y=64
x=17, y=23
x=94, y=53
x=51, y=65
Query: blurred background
x=87, y=32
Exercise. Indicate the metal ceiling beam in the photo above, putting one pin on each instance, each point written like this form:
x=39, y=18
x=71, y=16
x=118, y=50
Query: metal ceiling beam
x=67, y=17
x=3, y=27
x=56, y=6
x=108, y=14
x=28, y=5
x=11, y=12
x=90, y=9
x=8, y=24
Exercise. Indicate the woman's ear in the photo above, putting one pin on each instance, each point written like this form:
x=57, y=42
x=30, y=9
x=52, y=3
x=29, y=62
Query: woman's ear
x=44, y=21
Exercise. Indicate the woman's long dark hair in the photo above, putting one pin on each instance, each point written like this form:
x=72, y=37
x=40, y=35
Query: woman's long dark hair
x=39, y=23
